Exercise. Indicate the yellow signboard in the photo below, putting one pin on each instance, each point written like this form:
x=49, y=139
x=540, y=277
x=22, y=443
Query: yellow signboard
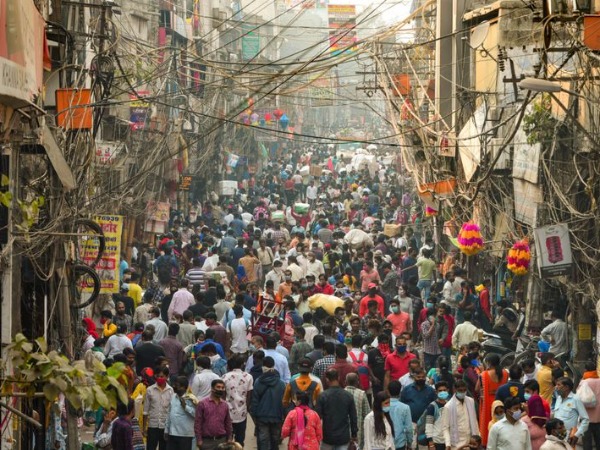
x=108, y=267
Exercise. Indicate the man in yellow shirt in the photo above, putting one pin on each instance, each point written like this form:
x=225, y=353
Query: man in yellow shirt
x=544, y=376
x=135, y=290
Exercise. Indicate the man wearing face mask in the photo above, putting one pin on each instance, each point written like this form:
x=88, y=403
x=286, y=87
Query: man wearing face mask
x=400, y=320
x=459, y=422
x=435, y=415
x=510, y=433
x=555, y=436
x=396, y=363
x=285, y=288
x=418, y=396
x=156, y=410
x=179, y=429
x=569, y=408
x=212, y=425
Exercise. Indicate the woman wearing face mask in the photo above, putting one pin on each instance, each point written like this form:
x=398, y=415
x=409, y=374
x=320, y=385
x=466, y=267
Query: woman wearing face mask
x=378, y=428
x=497, y=412
x=536, y=421
x=510, y=433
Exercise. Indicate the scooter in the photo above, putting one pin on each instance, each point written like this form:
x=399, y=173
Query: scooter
x=501, y=342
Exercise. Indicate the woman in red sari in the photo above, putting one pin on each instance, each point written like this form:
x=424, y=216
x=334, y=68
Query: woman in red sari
x=487, y=385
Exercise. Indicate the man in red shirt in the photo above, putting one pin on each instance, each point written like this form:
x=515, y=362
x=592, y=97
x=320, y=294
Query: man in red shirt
x=372, y=295
x=401, y=321
x=396, y=363
x=323, y=287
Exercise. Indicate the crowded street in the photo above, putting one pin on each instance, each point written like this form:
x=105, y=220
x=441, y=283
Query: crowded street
x=301, y=224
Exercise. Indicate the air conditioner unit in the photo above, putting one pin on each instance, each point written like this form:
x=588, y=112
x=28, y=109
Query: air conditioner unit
x=495, y=145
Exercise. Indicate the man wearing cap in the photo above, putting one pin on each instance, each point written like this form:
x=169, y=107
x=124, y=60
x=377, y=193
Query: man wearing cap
x=123, y=296
x=303, y=382
x=371, y=295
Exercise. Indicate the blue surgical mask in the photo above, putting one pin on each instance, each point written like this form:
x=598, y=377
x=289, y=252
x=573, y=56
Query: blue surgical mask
x=527, y=396
x=401, y=348
x=461, y=395
x=385, y=409
x=517, y=415
x=443, y=395
x=429, y=305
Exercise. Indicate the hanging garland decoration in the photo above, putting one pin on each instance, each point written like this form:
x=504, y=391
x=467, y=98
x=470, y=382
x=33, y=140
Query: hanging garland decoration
x=470, y=241
x=519, y=257
x=430, y=212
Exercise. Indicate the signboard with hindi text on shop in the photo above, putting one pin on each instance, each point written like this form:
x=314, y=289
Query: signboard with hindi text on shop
x=108, y=267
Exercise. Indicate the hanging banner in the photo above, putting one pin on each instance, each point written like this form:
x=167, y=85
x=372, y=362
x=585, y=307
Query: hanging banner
x=108, y=267
x=553, y=250
x=250, y=42
x=138, y=111
x=342, y=33
x=158, y=211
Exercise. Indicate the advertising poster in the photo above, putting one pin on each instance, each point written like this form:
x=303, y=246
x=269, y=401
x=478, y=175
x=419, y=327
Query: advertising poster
x=108, y=267
x=342, y=33
x=553, y=250
x=138, y=111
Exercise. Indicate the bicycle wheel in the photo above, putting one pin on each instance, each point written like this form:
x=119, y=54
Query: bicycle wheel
x=83, y=280
x=508, y=359
x=91, y=242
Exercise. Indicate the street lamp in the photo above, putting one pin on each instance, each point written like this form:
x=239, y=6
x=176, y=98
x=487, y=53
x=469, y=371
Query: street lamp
x=551, y=87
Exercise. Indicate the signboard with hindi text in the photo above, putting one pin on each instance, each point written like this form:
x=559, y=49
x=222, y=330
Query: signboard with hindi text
x=108, y=267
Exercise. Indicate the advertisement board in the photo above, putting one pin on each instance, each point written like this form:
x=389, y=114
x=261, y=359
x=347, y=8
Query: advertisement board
x=553, y=250
x=342, y=23
x=108, y=267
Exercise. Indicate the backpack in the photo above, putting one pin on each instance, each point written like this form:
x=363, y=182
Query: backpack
x=421, y=435
x=294, y=390
x=362, y=370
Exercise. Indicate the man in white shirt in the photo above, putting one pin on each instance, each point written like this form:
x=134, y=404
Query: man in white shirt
x=160, y=328
x=238, y=328
x=181, y=301
x=297, y=272
x=465, y=333
x=275, y=275
x=314, y=266
x=460, y=421
x=557, y=334
x=200, y=386
x=312, y=192
x=510, y=433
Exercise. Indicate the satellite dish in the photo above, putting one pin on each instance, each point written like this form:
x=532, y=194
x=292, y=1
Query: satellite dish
x=479, y=34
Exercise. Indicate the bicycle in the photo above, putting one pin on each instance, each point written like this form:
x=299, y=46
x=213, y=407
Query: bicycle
x=84, y=253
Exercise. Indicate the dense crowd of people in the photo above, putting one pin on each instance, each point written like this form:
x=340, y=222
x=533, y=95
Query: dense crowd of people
x=389, y=358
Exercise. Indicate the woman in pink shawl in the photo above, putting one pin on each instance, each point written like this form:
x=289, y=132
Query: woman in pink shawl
x=535, y=420
x=303, y=426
